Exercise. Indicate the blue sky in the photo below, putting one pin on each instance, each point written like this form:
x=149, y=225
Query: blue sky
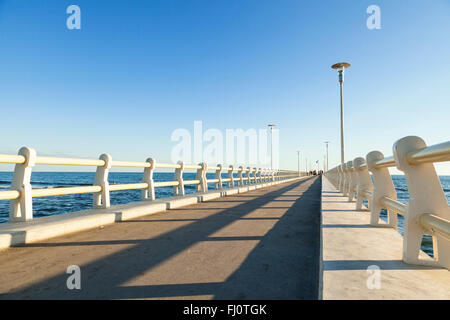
x=137, y=70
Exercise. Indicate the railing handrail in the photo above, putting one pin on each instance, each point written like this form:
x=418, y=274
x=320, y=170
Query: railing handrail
x=393, y=204
x=385, y=163
x=49, y=160
x=12, y=158
x=22, y=193
x=436, y=225
x=69, y=161
x=435, y=153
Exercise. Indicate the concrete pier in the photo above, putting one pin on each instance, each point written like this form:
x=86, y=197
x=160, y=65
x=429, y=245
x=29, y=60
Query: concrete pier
x=268, y=243
x=351, y=245
x=263, y=244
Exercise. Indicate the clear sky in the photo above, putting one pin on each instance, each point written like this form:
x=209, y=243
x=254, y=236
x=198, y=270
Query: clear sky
x=137, y=70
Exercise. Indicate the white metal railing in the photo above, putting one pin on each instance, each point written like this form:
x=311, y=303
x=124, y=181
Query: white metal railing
x=21, y=193
x=427, y=212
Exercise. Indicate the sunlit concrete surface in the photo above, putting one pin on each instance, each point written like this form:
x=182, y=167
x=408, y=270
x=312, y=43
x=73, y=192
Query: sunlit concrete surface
x=263, y=244
x=24, y=232
x=351, y=245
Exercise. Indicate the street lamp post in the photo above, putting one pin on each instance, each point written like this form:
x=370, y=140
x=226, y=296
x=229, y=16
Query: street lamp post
x=326, y=144
x=340, y=67
x=298, y=161
x=271, y=145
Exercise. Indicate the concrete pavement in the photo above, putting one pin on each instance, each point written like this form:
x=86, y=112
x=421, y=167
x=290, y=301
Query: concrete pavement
x=351, y=245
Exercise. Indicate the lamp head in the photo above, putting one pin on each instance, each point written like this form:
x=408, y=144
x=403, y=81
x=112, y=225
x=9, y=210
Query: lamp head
x=340, y=68
x=340, y=65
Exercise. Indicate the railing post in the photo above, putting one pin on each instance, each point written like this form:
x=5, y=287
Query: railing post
x=149, y=192
x=341, y=178
x=178, y=176
x=259, y=175
x=364, y=181
x=201, y=176
x=102, y=198
x=240, y=177
x=247, y=175
x=21, y=209
x=218, y=176
x=382, y=187
x=426, y=196
x=231, y=177
x=345, y=180
x=353, y=182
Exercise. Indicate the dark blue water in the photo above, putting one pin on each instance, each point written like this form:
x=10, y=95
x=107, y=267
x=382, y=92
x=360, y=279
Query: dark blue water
x=47, y=206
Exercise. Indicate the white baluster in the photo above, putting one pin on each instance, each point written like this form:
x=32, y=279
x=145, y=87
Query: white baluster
x=383, y=187
x=149, y=192
x=178, y=176
x=426, y=197
x=21, y=209
x=102, y=198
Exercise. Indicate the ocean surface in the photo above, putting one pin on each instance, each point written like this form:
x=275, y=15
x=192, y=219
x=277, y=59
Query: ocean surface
x=48, y=206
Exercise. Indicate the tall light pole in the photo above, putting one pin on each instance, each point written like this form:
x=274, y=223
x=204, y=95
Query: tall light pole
x=271, y=145
x=340, y=67
x=326, y=144
x=298, y=160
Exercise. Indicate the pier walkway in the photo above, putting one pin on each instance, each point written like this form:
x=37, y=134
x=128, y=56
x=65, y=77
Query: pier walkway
x=263, y=244
x=351, y=245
